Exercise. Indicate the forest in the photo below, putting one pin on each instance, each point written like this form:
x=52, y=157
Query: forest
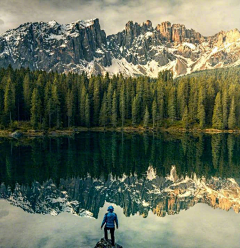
x=41, y=100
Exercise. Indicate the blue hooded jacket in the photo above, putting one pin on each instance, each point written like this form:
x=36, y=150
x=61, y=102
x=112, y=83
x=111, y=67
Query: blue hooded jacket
x=110, y=218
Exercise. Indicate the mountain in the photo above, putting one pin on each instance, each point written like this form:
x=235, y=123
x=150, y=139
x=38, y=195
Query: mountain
x=140, y=49
x=161, y=195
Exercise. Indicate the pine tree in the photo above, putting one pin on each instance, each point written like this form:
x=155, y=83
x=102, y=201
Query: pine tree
x=9, y=100
x=201, y=107
x=225, y=108
x=103, y=112
x=217, y=119
x=185, y=118
x=232, y=115
x=87, y=111
x=114, y=110
x=96, y=103
x=146, y=118
x=49, y=111
x=172, y=104
x=146, y=98
x=56, y=104
x=82, y=101
x=75, y=98
x=182, y=91
x=134, y=111
x=122, y=106
x=35, y=102
x=48, y=105
x=27, y=96
x=109, y=101
x=41, y=91
x=160, y=102
x=193, y=104
x=128, y=107
x=210, y=97
x=202, y=116
x=69, y=101
x=154, y=113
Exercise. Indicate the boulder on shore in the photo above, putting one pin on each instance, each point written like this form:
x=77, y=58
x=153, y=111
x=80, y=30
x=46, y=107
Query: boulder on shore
x=16, y=135
x=106, y=244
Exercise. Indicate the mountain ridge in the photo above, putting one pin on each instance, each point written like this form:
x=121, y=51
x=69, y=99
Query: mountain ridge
x=139, y=49
x=161, y=195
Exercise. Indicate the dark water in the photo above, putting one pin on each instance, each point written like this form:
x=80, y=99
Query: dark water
x=186, y=178
x=99, y=154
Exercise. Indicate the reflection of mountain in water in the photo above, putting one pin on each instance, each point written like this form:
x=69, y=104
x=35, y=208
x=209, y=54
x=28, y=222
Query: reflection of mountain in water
x=162, y=195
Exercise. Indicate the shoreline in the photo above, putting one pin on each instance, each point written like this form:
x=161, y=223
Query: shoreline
x=70, y=132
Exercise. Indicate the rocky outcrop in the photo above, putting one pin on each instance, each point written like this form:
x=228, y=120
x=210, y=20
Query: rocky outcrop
x=106, y=244
x=139, y=49
x=222, y=37
x=165, y=29
x=178, y=33
x=16, y=135
x=51, y=46
x=181, y=67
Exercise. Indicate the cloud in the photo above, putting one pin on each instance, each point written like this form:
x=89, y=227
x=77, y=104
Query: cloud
x=1, y=22
x=206, y=17
x=200, y=226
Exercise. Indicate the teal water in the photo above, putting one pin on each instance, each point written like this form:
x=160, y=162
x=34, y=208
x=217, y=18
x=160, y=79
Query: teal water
x=168, y=190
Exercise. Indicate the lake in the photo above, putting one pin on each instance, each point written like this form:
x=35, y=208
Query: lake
x=168, y=190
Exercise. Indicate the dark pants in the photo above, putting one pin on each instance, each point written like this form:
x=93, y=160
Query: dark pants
x=112, y=234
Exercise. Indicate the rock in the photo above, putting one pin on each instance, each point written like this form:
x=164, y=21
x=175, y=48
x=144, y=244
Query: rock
x=181, y=67
x=16, y=135
x=106, y=244
x=51, y=46
x=178, y=33
x=165, y=29
x=54, y=134
x=139, y=49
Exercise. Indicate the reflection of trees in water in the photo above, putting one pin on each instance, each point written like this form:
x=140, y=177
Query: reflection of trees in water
x=230, y=145
x=101, y=154
x=216, y=149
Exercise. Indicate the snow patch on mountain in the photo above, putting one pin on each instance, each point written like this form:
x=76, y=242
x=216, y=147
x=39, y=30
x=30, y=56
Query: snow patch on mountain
x=138, y=50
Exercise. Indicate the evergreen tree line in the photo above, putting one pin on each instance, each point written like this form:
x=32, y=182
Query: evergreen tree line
x=53, y=100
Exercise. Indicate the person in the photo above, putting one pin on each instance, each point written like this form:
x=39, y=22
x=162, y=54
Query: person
x=110, y=219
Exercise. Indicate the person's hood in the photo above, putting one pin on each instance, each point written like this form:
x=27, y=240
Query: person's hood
x=110, y=208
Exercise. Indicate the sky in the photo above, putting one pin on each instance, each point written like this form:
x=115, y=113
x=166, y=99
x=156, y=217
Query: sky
x=200, y=226
x=205, y=16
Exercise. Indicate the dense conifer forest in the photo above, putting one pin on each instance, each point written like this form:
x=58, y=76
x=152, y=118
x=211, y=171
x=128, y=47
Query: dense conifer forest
x=208, y=99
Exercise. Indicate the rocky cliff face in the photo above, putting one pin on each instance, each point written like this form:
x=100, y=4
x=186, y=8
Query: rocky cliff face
x=51, y=46
x=161, y=195
x=149, y=50
x=140, y=49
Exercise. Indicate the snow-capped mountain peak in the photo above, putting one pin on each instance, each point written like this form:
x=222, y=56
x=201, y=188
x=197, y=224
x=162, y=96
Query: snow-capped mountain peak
x=140, y=49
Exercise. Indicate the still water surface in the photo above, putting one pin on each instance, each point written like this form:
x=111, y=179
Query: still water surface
x=168, y=191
